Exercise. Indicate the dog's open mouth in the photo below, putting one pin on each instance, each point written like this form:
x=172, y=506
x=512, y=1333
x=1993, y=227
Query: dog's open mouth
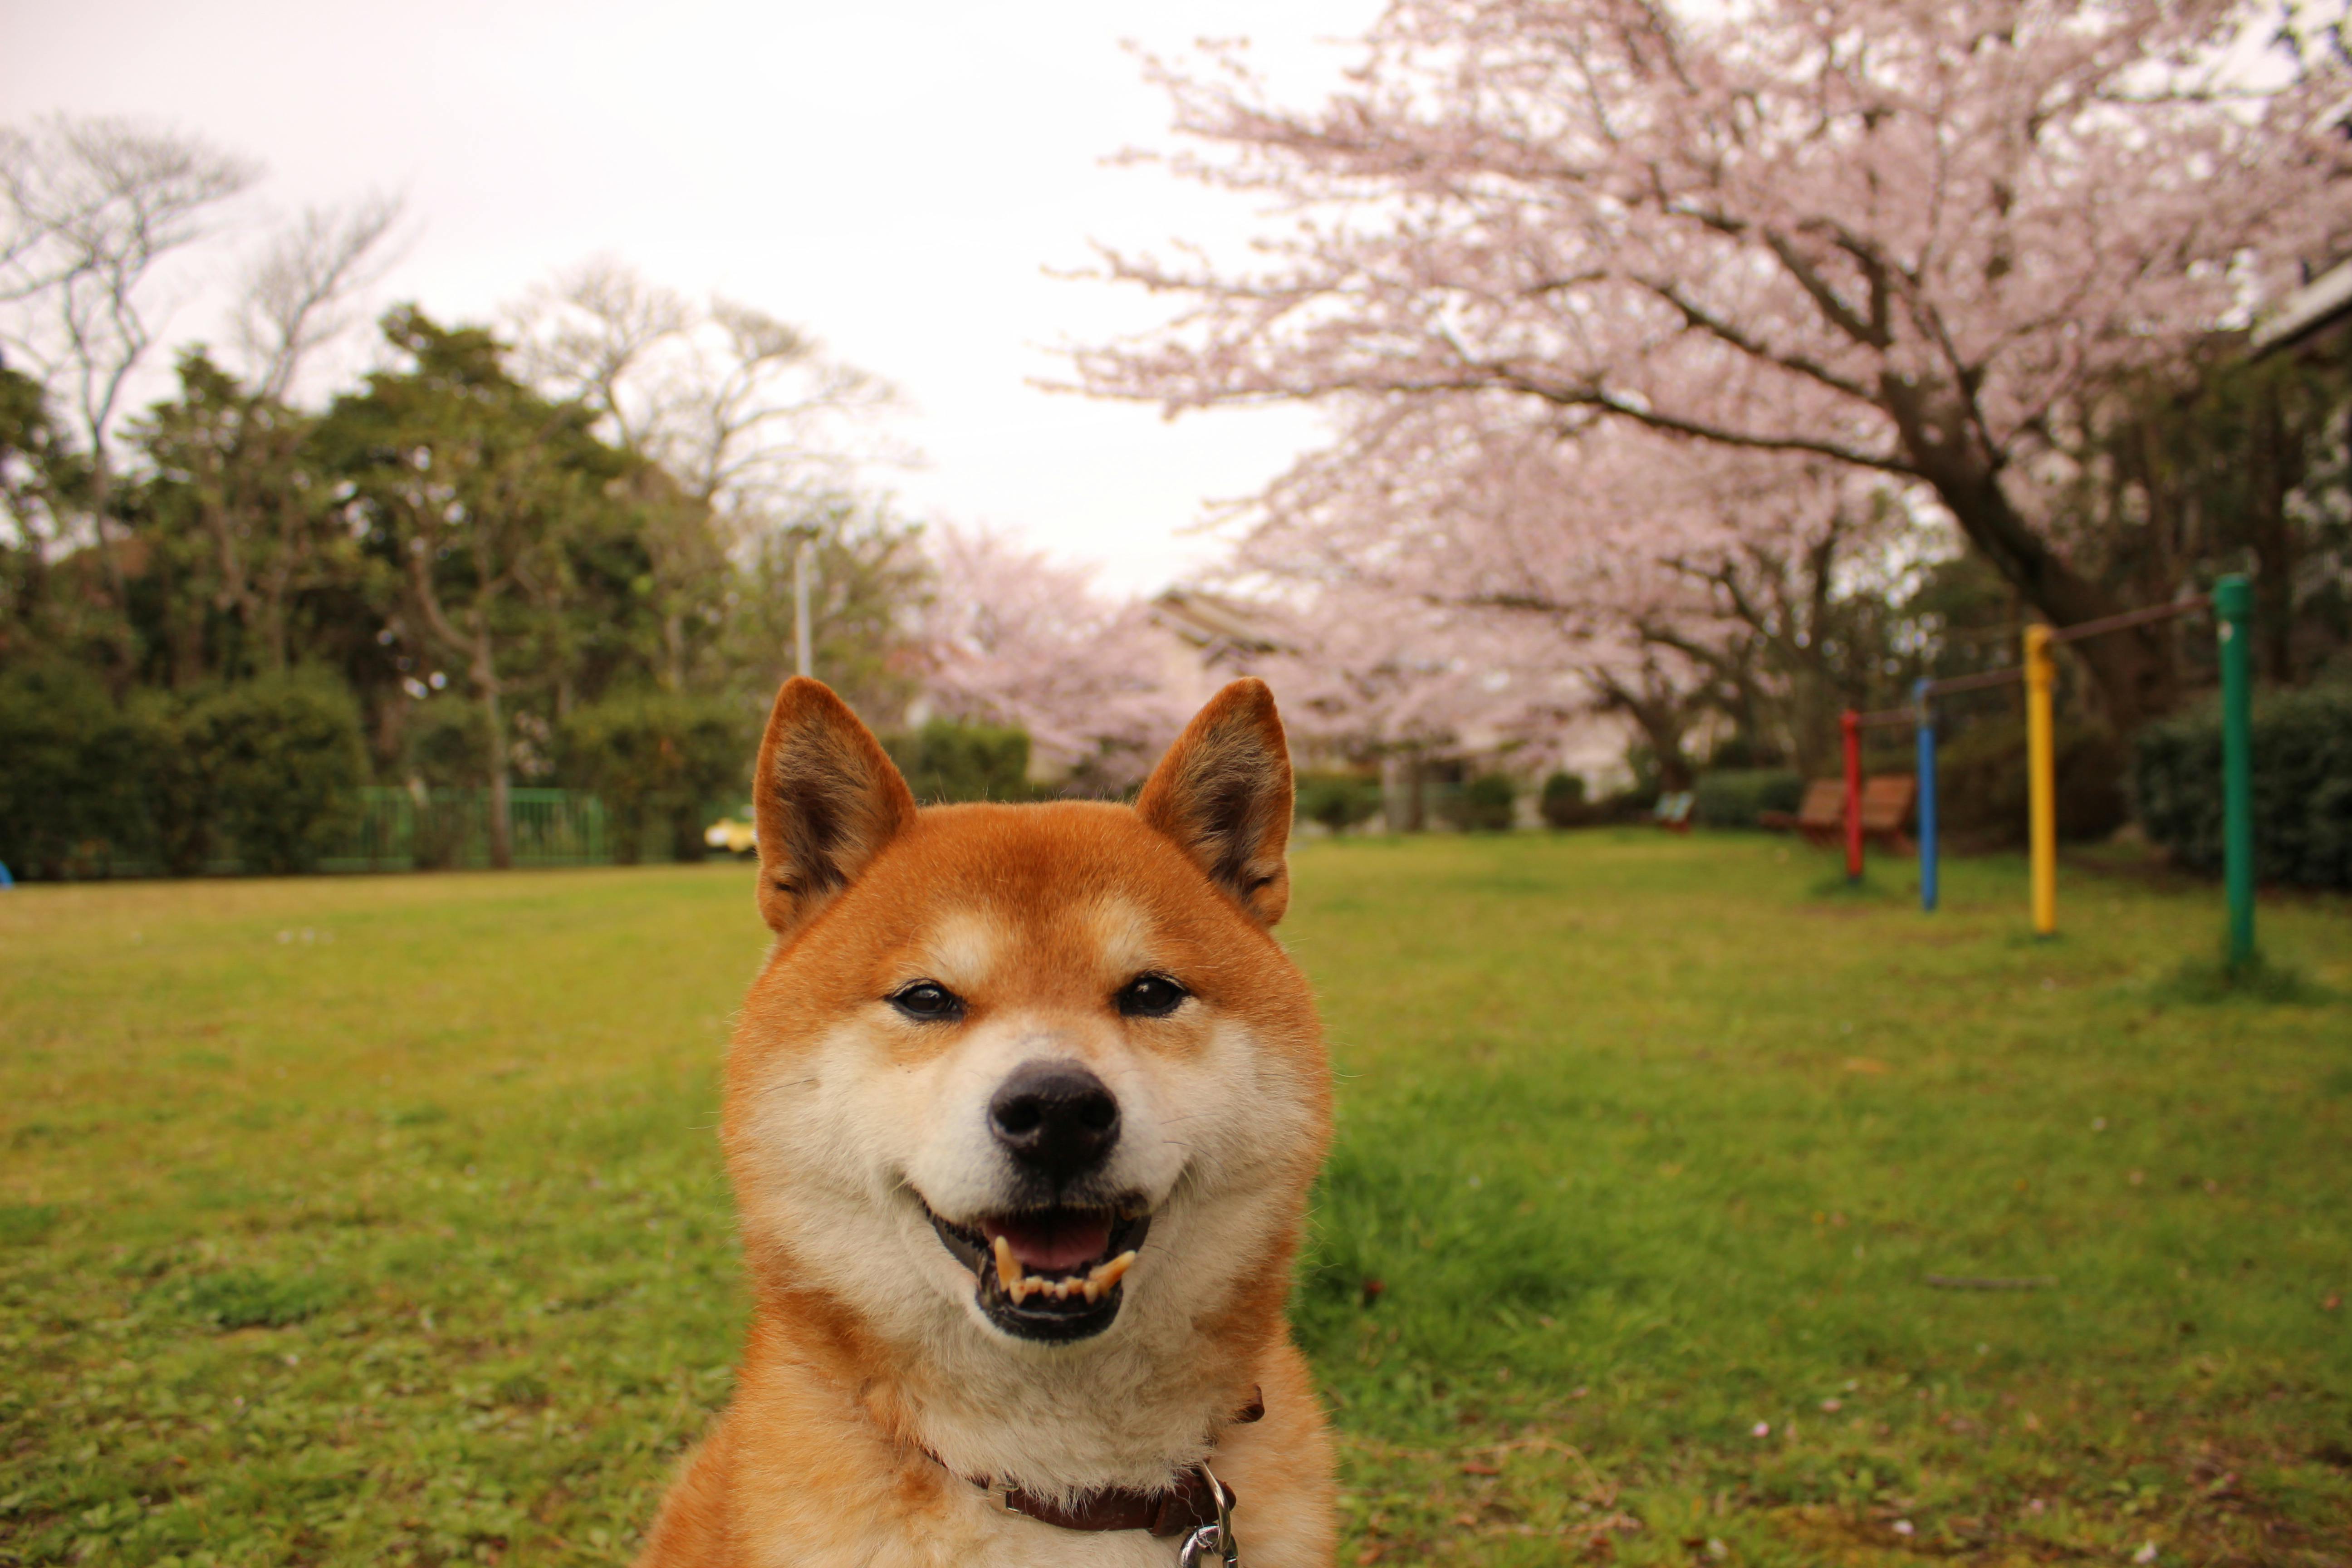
x=1048, y=1274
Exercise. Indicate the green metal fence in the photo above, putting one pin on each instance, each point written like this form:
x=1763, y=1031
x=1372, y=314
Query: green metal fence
x=402, y=830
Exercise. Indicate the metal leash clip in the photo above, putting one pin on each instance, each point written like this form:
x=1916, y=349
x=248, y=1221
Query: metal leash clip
x=1212, y=1543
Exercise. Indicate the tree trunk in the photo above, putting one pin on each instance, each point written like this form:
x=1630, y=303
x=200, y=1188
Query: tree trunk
x=1674, y=770
x=485, y=681
x=271, y=613
x=1664, y=723
x=2134, y=671
x=1400, y=795
x=673, y=652
x=101, y=497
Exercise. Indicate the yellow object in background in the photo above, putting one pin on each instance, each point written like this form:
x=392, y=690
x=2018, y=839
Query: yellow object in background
x=734, y=837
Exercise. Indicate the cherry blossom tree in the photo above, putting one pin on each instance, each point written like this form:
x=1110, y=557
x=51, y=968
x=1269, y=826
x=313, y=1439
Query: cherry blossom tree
x=1431, y=601
x=1912, y=238
x=1011, y=636
x=1676, y=586
x=1370, y=671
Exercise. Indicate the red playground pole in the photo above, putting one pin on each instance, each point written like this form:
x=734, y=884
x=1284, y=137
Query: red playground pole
x=1849, y=724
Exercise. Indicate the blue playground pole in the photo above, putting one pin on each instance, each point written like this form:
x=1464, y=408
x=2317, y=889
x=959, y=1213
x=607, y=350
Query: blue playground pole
x=1926, y=797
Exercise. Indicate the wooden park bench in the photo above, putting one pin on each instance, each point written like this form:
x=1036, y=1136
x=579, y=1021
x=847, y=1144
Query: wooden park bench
x=1820, y=817
x=1887, y=803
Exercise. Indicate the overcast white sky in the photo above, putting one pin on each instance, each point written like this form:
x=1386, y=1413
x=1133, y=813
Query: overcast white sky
x=896, y=177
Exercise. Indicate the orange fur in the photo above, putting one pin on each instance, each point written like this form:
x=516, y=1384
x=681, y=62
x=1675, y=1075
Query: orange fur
x=859, y=1363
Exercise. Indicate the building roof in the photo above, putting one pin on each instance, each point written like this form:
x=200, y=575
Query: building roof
x=1211, y=623
x=2319, y=303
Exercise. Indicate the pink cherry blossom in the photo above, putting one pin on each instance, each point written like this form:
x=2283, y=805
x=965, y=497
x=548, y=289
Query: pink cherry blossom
x=1911, y=238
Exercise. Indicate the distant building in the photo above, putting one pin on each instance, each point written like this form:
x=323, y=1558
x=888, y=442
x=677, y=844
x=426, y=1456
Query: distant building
x=1219, y=631
x=2308, y=313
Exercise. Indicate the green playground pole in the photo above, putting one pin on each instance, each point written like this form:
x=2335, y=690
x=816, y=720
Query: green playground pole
x=2233, y=606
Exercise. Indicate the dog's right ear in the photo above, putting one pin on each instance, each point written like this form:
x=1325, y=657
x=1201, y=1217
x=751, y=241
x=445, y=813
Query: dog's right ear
x=826, y=799
x=1224, y=793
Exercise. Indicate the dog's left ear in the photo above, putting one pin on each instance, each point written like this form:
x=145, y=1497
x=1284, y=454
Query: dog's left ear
x=1223, y=794
x=826, y=799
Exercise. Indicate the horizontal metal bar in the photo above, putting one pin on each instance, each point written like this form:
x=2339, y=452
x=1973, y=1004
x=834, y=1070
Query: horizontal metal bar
x=2082, y=629
x=1975, y=682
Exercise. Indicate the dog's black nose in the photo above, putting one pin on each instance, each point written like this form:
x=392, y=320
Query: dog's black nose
x=1055, y=1117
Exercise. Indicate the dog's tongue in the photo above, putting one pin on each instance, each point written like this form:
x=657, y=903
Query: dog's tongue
x=1056, y=1242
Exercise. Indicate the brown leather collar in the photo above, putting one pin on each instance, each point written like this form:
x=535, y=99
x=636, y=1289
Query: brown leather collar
x=1187, y=1504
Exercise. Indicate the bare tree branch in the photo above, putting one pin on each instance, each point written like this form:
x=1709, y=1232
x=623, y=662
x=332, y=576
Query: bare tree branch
x=299, y=293
x=87, y=209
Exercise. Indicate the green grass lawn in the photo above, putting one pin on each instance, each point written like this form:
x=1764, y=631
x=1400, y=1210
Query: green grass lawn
x=361, y=1220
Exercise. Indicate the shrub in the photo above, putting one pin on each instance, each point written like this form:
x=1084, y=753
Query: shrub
x=2302, y=787
x=448, y=743
x=177, y=826
x=656, y=758
x=1562, y=802
x=1340, y=801
x=1980, y=785
x=945, y=761
x=1484, y=804
x=70, y=765
x=446, y=747
x=269, y=765
x=279, y=760
x=1736, y=797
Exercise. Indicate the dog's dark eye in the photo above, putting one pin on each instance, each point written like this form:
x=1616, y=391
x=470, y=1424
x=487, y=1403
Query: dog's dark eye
x=927, y=1002
x=1151, y=996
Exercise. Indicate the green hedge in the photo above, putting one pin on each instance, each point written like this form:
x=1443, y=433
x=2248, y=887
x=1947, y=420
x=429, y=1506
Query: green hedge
x=1484, y=805
x=447, y=742
x=1340, y=801
x=2303, y=786
x=656, y=760
x=280, y=759
x=1563, y=803
x=1736, y=797
x=69, y=772
x=262, y=771
x=1982, y=786
x=945, y=761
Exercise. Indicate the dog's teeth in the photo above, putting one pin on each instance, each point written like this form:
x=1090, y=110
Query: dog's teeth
x=1106, y=1275
x=1093, y=1286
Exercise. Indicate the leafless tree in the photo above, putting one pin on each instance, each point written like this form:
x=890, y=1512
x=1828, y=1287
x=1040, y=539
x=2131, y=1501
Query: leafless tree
x=89, y=207
x=591, y=332
x=741, y=409
x=299, y=292
x=754, y=423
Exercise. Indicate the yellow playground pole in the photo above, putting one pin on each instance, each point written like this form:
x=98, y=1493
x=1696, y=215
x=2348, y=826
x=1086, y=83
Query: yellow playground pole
x=2042, y=780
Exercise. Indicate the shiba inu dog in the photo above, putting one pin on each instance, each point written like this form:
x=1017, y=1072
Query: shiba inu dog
x=1021, y=1118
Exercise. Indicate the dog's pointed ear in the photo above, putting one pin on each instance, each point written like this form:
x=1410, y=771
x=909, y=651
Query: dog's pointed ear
x=826, y=799
x=1223, y=794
